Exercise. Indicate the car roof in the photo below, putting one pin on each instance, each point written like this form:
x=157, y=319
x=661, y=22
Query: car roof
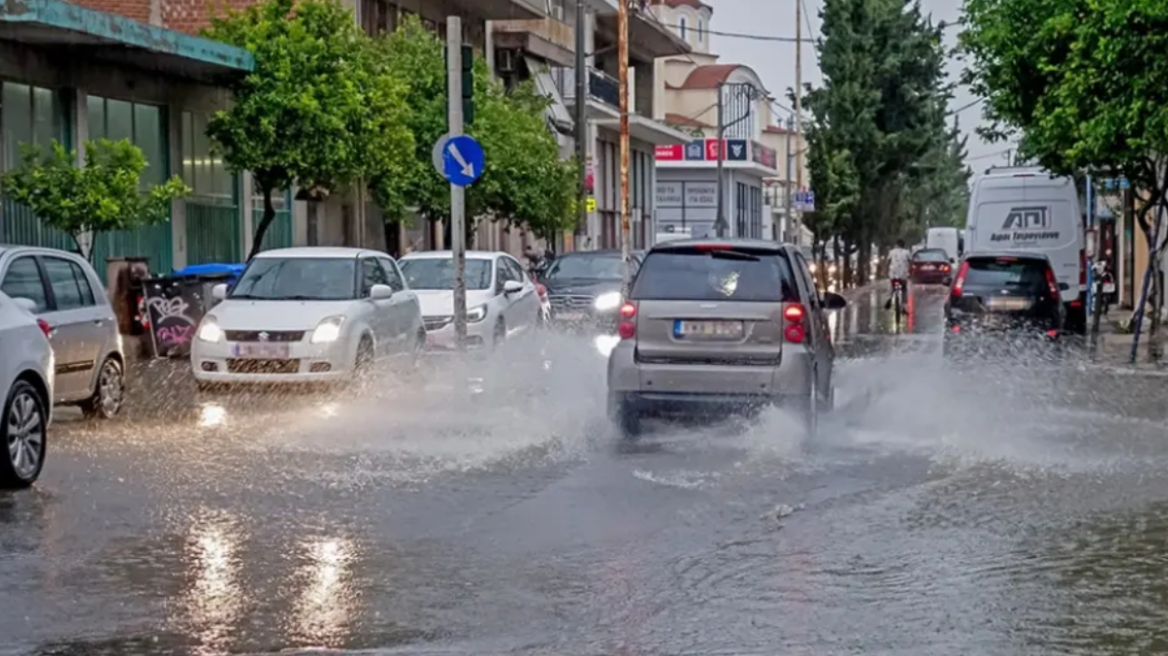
x=319, y=251
x=445, y=255
x=41, y=250
x=753, y=244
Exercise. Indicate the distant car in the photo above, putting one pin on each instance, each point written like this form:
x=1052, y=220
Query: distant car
x=67, y=294
x=584, y=288
x=308, y=315
x=501, y=299
x=930, y=266
x=713, y=325
x=26, y=390
x=1002, y=300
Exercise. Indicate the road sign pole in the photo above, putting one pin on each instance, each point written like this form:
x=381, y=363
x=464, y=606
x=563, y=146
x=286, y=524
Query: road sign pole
x=457, y=197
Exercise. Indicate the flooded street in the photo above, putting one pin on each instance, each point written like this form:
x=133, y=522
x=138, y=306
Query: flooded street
x=1009, y=510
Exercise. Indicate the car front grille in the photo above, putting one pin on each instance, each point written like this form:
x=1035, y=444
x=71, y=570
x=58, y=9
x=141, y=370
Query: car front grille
x=248, y=366
x=571, y=303
x=258, y=335
x=436, y=323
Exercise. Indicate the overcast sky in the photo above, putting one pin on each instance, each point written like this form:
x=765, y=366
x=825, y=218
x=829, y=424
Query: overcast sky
x=775, y=62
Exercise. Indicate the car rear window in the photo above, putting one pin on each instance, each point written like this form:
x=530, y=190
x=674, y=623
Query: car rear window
x=1007, y=273
x=703, y=275
x=931, y=255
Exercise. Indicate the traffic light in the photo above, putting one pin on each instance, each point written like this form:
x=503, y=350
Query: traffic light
x=467, y=85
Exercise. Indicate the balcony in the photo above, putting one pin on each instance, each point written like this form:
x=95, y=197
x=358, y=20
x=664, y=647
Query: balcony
x=498, y=9
x=548, y=39
x=648, y=38
x=601, y=87
x=604, y=107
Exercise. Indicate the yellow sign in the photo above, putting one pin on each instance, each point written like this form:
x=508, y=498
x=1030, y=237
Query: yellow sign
x=590, y=204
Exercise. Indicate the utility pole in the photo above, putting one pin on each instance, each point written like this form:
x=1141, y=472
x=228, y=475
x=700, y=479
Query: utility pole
x=720, y=218
x=790, y=191
x=457, y=197
x=623, y=55
x=581, y=121
x=799, y=90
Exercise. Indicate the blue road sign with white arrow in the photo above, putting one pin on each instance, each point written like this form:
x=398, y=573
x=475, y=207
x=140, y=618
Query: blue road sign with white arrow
x=462, y=160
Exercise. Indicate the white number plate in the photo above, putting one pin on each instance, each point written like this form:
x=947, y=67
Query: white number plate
x=1008, y=303
x=262, y=351
x=571, y=316
x=708, y=329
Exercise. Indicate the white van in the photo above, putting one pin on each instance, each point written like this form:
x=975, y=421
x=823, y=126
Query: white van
x=947, y=239
x=1027, y=209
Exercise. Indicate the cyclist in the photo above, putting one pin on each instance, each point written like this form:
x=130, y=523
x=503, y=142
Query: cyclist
x=898, y=264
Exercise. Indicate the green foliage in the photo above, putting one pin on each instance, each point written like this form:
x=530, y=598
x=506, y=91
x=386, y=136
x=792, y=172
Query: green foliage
x=524, y=182
x=321, y=109
x=105, y=194
x=878, y=116
x=940, y=196
x=1086, y=89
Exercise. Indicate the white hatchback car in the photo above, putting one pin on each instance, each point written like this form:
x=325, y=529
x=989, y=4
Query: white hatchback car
x=308, y=315
x=26, y=387
x=68, y=295
x=501, y=299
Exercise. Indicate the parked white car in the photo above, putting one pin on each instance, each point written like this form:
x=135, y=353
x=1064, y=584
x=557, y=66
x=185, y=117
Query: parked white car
x=26, y=386
x=501, y=299
x=313, y=314
x=66, y=293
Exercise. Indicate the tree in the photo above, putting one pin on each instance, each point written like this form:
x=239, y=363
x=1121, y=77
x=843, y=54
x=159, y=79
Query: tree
x=1086, y=90
x=320, y=110
x=525, y=183
x=103, y=195
x=833, y=180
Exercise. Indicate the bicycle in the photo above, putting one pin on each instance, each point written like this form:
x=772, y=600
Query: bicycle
x=899, y=298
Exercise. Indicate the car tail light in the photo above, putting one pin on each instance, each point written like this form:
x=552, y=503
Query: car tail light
x=960, y=281
x=45, y=327
x=713, y=247
x=794, y=314
x=1053, y=284
x=944, y=268
x=627, y=328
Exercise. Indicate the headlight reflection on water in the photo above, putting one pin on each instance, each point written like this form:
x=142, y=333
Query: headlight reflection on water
x=212, y=415
x=327, y=601
x=214, y=600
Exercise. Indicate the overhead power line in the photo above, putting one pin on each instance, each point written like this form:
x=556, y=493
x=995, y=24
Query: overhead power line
x=739, y=35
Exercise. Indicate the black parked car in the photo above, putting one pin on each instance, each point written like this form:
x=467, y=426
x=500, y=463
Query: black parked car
x=999, y=301
x=584, y=289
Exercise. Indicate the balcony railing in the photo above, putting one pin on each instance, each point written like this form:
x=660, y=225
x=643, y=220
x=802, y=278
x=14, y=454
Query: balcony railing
x=601, y=86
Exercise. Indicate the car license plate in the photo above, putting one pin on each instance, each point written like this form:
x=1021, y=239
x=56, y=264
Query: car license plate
x=571, y=316
x=929, y=267
x=1007, y=304
x=708, y=329
x=262, y=351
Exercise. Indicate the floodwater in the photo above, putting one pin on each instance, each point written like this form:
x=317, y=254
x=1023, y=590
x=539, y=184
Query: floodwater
x=1000, y=509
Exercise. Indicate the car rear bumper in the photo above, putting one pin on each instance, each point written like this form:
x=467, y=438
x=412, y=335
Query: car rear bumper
x=677, y=404
x=930, y=278
x=689, y=383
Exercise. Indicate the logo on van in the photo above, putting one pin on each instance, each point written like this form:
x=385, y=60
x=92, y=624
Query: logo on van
x=1027, y=218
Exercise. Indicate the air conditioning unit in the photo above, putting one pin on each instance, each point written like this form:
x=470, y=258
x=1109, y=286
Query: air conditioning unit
x=505, y=61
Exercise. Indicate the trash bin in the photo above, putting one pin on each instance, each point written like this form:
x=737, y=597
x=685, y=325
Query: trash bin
x=210, y=275
x=173, y=307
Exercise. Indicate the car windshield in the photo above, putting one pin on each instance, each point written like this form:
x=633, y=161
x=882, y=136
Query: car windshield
x=693, y=275
x=931, y=255
x=587, y=266
x=1007, y=272
x=298, y=279
x=438, y=273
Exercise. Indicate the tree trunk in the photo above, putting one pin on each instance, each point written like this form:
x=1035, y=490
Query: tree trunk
x=1156, y=289
x=846, y=279
x=261, y=230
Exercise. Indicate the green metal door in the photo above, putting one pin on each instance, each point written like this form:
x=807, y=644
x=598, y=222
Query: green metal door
x=279, y=234
x=214, y=230
x=29, y=116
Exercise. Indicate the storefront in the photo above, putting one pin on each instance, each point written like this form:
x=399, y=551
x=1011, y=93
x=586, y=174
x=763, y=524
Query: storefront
x=687, y=188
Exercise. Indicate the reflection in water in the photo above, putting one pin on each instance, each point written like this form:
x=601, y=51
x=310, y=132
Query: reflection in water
x=329, y=410
x=605, y=344
x=327, y=601
x=211, y=415
x=214, y=599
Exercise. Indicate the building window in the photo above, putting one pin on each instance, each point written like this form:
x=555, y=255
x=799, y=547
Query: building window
x=28, y=115
x=204, y=172
x=756, y=212
x=740, y=210
x=378, y=17
x=681, y=27
x=143, y=125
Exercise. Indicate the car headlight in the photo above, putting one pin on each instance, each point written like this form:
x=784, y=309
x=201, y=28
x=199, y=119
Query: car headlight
x=210, y=331
x=609, y=301
x=328, y=330
x=476, y=314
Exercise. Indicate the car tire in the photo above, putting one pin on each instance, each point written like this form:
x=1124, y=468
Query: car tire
x=812, y=408
x=624, y=416
x=108, y=394
x=364, y=360
x=24, y=432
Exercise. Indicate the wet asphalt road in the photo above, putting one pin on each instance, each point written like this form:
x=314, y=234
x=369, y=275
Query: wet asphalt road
x=1007, y=510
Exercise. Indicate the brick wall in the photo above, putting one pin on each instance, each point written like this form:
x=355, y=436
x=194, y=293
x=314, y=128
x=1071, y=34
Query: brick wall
x=138, y=10
x=190, y=16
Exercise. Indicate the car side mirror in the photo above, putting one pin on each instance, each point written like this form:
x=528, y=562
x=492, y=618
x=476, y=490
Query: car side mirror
x=219, y=292
x=27, y=304
x=1063, y=286
x=833, y=301
x=380, y=292
x=512, y=286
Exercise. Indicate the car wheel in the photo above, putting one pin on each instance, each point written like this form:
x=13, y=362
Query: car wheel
x=811, y=412
x=108, y=394
x=364, y=361
x=626, y=417
x=23, y=429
